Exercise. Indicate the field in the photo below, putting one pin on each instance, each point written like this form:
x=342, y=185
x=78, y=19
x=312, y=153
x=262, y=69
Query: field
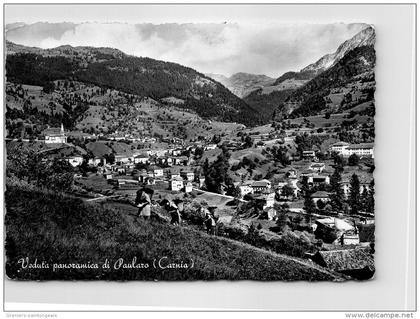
x=68, y=231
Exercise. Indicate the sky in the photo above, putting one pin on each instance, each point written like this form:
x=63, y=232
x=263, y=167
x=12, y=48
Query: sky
x=211, y=39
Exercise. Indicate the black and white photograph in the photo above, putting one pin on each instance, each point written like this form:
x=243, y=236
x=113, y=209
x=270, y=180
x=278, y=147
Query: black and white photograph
x=188, y=151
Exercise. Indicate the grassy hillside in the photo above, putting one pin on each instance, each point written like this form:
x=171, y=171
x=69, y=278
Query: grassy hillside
x=144, y=77
x=354, y=68
x=59, y=229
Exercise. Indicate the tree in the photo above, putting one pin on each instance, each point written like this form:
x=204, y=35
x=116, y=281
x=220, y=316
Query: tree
x=354, y=198
x=216, y=175
x=281, y=216
x=287, y=191
x=337, y=194
x=110, y=158
x=320, y=204
x=198, y=153
x=48, y=87
x=370, y=202
x=248, y=142
x=308, y=204
x=353, y=160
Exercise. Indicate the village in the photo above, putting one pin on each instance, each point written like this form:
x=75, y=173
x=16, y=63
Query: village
x=300, y=195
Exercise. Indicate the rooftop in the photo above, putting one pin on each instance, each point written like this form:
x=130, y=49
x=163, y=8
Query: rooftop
x=347, y=259
x=361, y=146
x=320, y=194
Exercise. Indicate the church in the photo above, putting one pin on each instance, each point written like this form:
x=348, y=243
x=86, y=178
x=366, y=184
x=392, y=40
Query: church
x=55, y=135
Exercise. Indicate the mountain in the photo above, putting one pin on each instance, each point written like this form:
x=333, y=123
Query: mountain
x=365, y=37
x=241, y=84
x=144, y=77
x=349, y=83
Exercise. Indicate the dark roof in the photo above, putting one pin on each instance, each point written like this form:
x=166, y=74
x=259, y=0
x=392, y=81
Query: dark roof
x=358, y=146
x=340, y=144
x=52, y=131
x=262, y=183
x=142, y=155
x=347, y=259
x=320, y=194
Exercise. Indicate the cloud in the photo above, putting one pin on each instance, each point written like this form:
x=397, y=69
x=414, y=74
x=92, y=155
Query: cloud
x=224, y=48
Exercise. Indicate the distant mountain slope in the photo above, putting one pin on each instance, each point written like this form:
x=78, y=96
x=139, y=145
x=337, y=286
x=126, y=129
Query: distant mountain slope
x=241, y=84
x=110, y=68
x=365, y=37
x=268, y=98
x=353, y=73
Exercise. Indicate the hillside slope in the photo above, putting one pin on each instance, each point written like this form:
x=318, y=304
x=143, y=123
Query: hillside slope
x=59, y=229
x=291, y=81
x=145, y=77
x=353, y=73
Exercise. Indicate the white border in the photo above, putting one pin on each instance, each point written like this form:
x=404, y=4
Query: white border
x=394, y=285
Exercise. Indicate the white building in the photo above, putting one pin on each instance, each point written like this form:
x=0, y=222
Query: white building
x=55, y=135
x=246, y=188
x=177, y=184
x=339, y=147
x=361, y=150
x=157, y=172
x=260, y=186
x=141, y=158
x=346, y=149
x=188, y=187
x=75, y=160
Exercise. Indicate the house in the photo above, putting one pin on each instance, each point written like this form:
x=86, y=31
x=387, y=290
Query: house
x=357, y=263
x=182, y=160
x=306, y=173
x=201, y=181
x=308, y=154
x=188, y=175
x=346, y=150
x=74, y=160
x=55, y=135
x=245, y=188
x=157, y=171
x=292, y=173
x=345, y=186
x=119, y=169
x=262, y=185
x=339, y=148
x=320, y=195
x=366, y=233
x=96, y=161
x=269, y=198
x=336, y=231
x=317, y=167
x=142, y=158
x=361, y=150
x=177, y=152
x=270, y=213
x=173, y=173
x=123, y=158
x=177, y=183
x=108, y=175
x=210, y=147
x=319, y=179
x=188, y=187
x=293, y=184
